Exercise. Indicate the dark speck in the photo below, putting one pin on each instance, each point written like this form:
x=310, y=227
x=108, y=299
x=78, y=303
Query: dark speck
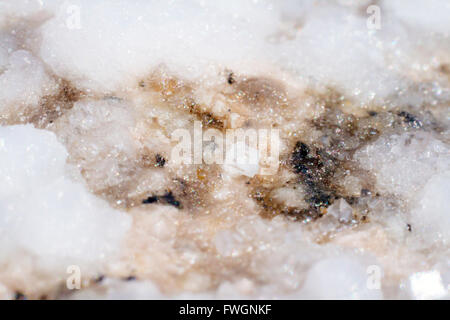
x=99, y=279
x=150, y=199
x=167, y=198
x=409, y=227
x=230, y=78
x=160, y=161
x=310, y=167
x=20, y=296
x=320, y=200
x=300, y=157
x=372, y=113
x=130, y=278
x=410, y=119
x=301, y=151
x=170, y=199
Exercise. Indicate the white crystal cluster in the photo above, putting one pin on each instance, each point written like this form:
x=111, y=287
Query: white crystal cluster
x=49, y=221
x=91, y=92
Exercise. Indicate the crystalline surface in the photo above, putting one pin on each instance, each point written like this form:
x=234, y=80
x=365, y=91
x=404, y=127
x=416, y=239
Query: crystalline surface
x=95, y=95
x=48, y=221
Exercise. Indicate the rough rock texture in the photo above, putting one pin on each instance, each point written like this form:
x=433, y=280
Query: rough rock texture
x=92, y=94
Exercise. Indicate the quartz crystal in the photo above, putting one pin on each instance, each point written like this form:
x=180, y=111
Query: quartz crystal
x=113, y=114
